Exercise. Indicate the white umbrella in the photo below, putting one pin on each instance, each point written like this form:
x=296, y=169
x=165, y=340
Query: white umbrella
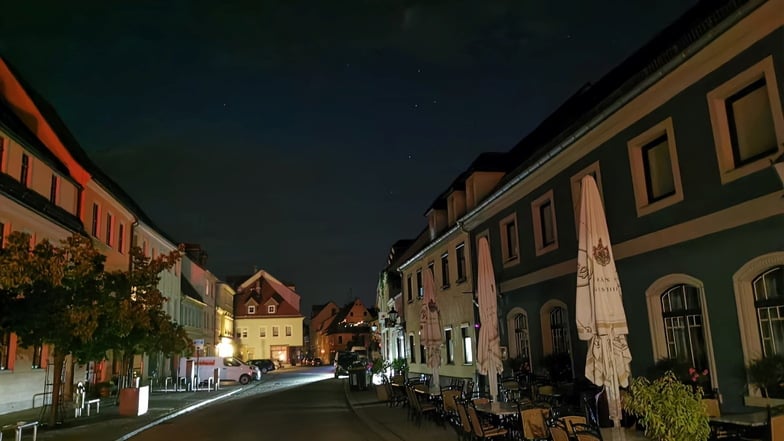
x=430, y=327
x=599, y=305
x=488, y=355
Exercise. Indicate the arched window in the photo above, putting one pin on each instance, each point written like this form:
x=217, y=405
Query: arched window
x=559, y=330
x=682, y=315
x=520, y=345
x=769, y=304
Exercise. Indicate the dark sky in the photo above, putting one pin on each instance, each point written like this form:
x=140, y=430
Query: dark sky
x=306, y=136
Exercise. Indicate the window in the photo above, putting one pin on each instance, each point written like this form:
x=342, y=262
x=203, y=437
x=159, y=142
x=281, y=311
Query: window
x=420, y=287
x=520, y=345
x=340, y=339
x=769, y=303
x=545, y=233
x=468, y=351
x=422, y=353
x=411, y=353
x=410, y=289
x=2, y=235
x=682, y=316
x=121, y=238
x=450, y=346
x=263, y=331
x=5, y=350
x=653, y=160
x=54, y=189
x=445, y=270
x=559, y=331
x=24, y=173
x=748, y=127
x=251, y=309
x=461, y=263
x=271, y=309
x=275, y=331
x=510, y=251
x=244, y=332
x=288, y=330
x=577, y=189
x=94, y=225
x=2, y=153
x=109, y=221
x=38, y=351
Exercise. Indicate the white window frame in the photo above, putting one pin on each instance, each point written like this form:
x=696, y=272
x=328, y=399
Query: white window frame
x=263, y=332
x=536, y=205
x=271, y=309
x=720, y=124
x=251, y=309
x=744, y=302
x=244, y=332
x=656, y=321
x=276, y=331
x=635, y=146
x=510, y=259
x=288, y=330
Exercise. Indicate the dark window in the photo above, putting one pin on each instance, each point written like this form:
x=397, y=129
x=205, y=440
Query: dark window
x=420, y=288
x=450, y=346
x=461, y=263
x=53, y=189
x=411, y=348
x=2, y=235
x=23, y=174
x=559, y=331
x=120, y=238
x=422, y=354
x=682, y=314
x=2, y=150
x=37, y=352
x=769, y=303
x=546, y=222
x=657, y=166
x=445, y=270
x=521, y=336
x=410, y=289
x=109, y=229
x=5, y=349
x=510, y=231
x=752, y=133
x=94, y=225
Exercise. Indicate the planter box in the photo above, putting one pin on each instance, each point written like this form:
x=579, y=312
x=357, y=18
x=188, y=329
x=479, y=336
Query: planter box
x=381, y=392
x=134, y=401
x=762, y=402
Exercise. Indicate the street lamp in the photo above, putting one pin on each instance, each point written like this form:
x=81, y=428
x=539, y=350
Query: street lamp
x=391, y=320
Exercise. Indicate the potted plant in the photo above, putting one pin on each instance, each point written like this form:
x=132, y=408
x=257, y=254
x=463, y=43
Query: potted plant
x=668, y=409
x=767, y=375
x=400, y=366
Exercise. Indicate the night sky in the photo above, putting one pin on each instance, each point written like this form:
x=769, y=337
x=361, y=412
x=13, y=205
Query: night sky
x=305, y=137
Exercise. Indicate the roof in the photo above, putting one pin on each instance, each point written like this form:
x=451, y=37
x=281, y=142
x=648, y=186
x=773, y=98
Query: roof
x=77, y=152
x=340, y=326
x=188, y=289
x=591, y=100
x=284, y=291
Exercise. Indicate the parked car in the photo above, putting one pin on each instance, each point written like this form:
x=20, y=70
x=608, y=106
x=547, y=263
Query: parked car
x=344, y=360
x=265, y=364
x=316, y=362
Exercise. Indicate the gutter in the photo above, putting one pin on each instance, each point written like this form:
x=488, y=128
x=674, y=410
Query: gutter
x=698, y=45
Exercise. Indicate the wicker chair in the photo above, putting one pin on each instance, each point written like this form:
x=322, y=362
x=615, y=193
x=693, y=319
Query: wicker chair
x=482, y=429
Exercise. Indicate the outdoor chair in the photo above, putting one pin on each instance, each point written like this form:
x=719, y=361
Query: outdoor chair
x=718, y=431
x=571, y=420
x=510, y=389
x=585, y=432
x=468, y=392
x=534, y=423
x=449, y=410
x=558, y=430
x=464, y=429
x=776, y=423
x=483, y=430
x=416, y=405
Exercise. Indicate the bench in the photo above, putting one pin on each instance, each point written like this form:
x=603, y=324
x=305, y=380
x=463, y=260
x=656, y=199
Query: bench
x=89, y=403
x=19, y=427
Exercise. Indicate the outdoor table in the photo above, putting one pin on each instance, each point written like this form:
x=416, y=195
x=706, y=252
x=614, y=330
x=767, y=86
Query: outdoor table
x=499, y=408
x=754, y=419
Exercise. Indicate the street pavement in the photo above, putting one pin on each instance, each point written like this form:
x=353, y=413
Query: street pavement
x=382, y=422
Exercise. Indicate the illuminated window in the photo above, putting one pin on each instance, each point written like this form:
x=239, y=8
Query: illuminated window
x=450, y=346
x=468, y=351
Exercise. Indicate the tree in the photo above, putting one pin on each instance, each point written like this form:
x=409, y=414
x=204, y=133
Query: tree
x=53, y=295
x=139, y=322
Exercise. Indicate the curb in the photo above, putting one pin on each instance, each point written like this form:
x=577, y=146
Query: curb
x=179, y=412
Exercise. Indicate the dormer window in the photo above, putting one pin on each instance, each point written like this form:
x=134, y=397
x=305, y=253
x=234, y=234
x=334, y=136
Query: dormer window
x=251, y=309
x=271, y=309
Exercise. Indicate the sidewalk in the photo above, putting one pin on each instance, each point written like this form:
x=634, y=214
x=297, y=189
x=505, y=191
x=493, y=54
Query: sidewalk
x=109, y=425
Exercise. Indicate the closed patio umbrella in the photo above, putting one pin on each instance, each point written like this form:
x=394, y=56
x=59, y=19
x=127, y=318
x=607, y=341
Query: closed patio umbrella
x=599, y=306
x=430, y=327
x=488, y=355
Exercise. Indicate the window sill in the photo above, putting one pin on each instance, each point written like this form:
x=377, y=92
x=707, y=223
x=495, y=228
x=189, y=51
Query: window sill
x=460, y=280
x=445, y=287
